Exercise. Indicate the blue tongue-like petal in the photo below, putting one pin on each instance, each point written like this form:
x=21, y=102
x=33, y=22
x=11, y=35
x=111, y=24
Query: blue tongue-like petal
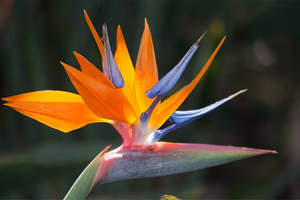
x=181, y=118
x=170, y=79
x=110, y=69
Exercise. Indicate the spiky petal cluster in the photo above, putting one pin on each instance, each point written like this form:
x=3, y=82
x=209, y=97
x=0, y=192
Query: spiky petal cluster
x=127, y=98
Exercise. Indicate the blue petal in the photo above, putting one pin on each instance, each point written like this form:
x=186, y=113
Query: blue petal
x=158, y=134
x=146, y=115
x=170, y=79
x=110, y=69
x=181, y=118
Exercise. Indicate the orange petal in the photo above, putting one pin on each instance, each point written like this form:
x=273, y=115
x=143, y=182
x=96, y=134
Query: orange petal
x=96, y=36
x=92, y=71
x=167, y=107
x=146, y=70
x=60, y=110
x=104, y=101
x=45, y=96
x=125, y=66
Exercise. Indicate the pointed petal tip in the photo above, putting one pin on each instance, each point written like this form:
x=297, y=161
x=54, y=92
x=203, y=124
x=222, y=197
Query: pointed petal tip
x=67, y=67
x=77, y=55
x=222, y=41
x=146, y=23
x=4, y=99
x=86, y=16
x=104, y=151
x=274, y=152
x=258, y=151
x=238, y=93
x=198, y=41
x=104, y=28
x=85, y=13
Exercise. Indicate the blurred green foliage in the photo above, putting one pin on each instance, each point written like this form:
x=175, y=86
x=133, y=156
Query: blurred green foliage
x=261, y=53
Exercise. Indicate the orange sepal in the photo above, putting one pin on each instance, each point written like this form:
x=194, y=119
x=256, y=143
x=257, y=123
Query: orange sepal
x=104, y=101
x=60, y=110
x=124, y=63
x=92, y=71
x=95, y=35
x=146, y=74
x=170, y=105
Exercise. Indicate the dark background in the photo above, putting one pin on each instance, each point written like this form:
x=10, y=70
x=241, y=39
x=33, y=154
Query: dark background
x=261, y=53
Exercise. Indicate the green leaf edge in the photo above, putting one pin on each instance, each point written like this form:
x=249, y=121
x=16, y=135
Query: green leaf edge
x=84, y=183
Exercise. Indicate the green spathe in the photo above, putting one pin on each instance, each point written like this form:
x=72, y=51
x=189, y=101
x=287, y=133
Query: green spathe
x=168, y=158
x=160, y=159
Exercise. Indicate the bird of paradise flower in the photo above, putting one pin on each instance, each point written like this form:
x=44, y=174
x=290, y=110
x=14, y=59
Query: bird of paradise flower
x=131, y=101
